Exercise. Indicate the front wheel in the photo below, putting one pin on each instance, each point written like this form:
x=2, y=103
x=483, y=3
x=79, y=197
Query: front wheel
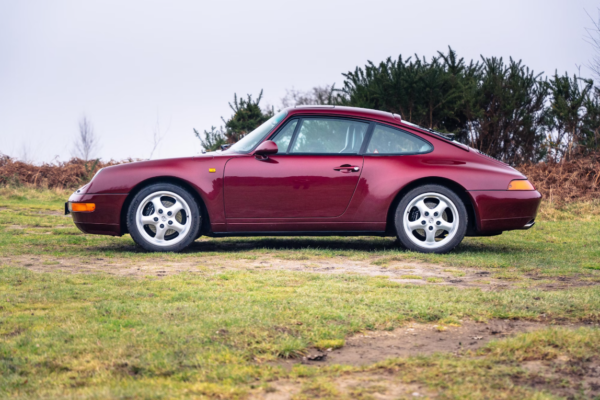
x=163, y=217
x=431, y=219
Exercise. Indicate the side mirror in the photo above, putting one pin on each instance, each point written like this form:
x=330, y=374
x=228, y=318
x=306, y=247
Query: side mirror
x=266, y=148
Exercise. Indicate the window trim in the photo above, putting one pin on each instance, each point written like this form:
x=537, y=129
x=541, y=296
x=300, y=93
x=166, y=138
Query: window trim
x=282, y=127
x=370, y=135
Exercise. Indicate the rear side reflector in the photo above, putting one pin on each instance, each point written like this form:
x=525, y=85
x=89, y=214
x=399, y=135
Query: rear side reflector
x=83, y=207
x=521, y=184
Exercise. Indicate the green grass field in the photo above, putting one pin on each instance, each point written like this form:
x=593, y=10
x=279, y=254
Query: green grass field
x=212, y=323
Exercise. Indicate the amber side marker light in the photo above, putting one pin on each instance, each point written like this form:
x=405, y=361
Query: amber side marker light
x=83, y=207
x=522, y=184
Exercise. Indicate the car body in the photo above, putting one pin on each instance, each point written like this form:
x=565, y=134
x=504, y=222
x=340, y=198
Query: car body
x=352, y=192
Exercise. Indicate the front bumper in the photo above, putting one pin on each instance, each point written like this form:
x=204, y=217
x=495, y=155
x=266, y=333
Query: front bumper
x=105, y=220
x=505, y=210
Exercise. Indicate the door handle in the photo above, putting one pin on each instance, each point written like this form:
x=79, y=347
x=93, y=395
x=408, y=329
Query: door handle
x=347, y=168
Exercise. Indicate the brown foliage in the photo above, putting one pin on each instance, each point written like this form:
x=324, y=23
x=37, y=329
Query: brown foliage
x=69, y=174
x=577, y=179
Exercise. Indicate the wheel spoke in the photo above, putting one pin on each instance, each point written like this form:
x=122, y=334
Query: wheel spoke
x=174, y=209
x=430, y=236
x=177, y=226
x=445, y=226
x=157, y=204
x=160, y=233
x=440, y=208
x=422, y=207
x=148, y=220
x=414, y=225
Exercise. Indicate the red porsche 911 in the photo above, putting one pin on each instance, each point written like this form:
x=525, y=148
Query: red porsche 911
x=315, y=170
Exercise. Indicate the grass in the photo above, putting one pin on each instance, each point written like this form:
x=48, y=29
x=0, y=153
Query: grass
x=220, y=333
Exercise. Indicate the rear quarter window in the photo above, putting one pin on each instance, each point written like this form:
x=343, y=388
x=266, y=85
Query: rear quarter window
x=388, y=140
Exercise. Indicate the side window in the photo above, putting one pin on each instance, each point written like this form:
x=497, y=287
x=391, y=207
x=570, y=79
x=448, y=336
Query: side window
x=329, y=136
x=386, y=140
x=285, y=135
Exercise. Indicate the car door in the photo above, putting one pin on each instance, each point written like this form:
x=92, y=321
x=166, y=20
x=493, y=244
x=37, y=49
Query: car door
x=314, y=174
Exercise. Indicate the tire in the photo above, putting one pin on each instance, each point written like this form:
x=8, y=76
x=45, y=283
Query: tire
x=163, y=217
x=421, y=215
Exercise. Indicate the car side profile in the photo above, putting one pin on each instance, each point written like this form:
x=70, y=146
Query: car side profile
x=314, y=170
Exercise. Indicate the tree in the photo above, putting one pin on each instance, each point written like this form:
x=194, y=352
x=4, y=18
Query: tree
x=211, y=140
x=86, y=142
x=590, y=129
x=427, y=93
x=507, y=112
x=567, y=111
x=492, y=105
x=247, y=116
x=318, y=95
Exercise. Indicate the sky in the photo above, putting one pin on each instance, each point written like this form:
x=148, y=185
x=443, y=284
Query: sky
x=131, y=66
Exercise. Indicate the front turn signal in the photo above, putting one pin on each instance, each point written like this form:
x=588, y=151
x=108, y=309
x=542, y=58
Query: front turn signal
x=520, y=184
x=83, y=207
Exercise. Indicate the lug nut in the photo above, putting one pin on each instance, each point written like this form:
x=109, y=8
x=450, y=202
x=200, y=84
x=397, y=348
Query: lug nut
x=162, y=226
x=431, y=228
x=438, y=223
x=435, y=214
x=426, y=213
x=423, y=222
x=160, y=211
x=170, y=222
x=169, y=213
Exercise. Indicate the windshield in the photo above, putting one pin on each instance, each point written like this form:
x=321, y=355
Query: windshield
x=249, y=141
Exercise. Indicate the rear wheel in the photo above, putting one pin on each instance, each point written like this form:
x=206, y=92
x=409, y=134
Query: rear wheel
x=431, y=219
x=163, y=217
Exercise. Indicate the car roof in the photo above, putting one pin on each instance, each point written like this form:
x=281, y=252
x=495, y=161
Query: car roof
x=346, y=111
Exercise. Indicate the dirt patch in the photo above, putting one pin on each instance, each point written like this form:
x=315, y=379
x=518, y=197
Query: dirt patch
x=401, y=272
x=353, y=386
x=563, y=377
x=397, y=271
x=416, y=339
x=404, y=272
x=52, y=212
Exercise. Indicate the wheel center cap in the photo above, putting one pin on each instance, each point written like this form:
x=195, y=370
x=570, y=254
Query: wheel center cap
x=431, y=220
x=163, y=218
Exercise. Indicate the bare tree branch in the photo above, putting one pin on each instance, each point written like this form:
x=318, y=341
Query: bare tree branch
x=157, y=135
x=26, y=153
x=593, y=38
x=86, y=143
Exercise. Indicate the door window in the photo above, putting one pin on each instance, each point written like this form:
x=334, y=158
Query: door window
x=387, y=140
x=329, y=136
x=284, y=136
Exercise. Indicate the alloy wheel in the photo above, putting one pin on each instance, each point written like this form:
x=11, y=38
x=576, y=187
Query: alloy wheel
x=163, y=218
x=431, y=220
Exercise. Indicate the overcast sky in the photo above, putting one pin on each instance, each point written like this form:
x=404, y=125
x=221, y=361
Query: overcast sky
x=127, y=63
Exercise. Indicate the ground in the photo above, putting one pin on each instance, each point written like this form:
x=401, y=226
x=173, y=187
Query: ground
x=512, y=316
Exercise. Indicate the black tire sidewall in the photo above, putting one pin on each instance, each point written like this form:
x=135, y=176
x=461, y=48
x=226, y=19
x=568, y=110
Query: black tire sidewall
x=138, y=237
x=431, y=188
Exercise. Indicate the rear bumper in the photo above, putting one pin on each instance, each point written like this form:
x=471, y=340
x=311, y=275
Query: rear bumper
x=105, y=220
x=504, y=210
